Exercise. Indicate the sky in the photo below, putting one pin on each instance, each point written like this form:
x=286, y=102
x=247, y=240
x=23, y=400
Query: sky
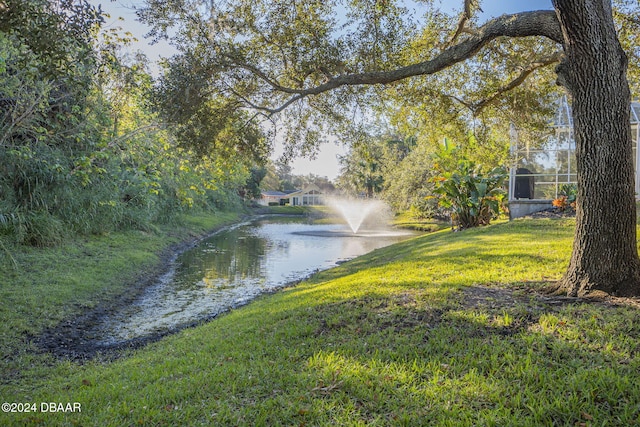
x=325, y=163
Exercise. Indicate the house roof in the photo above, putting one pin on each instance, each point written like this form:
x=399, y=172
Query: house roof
x=273, y=193
x=307, y=190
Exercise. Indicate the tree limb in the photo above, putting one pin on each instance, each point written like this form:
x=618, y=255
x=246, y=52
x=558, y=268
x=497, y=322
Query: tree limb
x=478, y=106
x=537, y=23
x=465, y=16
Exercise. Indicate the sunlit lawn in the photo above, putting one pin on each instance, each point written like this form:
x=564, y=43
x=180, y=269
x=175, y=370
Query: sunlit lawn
x=408, y=221
x=444, y=329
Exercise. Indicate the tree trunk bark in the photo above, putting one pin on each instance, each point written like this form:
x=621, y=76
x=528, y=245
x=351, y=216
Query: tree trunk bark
x=605, y=255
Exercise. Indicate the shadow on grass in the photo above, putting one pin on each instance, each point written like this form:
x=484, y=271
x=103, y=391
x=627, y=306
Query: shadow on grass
x=525, y=362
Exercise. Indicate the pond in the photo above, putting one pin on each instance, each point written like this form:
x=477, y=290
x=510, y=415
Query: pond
x=232, y=267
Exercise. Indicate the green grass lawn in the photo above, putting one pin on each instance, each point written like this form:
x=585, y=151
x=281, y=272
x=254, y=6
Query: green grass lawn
x=444, y=329
x=408, y=221
x=284, y=210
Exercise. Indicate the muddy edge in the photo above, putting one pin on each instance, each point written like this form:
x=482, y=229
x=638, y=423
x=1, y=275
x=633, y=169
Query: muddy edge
x=71, y=338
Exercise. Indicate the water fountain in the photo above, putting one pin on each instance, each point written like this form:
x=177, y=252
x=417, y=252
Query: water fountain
x=356, y=211
x=365, y=218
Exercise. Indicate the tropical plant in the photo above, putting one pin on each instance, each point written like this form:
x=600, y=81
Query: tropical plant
x=472, y=196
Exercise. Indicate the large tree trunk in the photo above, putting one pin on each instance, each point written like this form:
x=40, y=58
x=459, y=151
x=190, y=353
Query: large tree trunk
x=605, y=256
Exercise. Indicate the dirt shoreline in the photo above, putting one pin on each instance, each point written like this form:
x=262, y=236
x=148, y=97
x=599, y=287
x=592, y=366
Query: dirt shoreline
x=71, y=339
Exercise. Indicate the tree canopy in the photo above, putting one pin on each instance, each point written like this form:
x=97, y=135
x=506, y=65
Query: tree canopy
x=321, y=64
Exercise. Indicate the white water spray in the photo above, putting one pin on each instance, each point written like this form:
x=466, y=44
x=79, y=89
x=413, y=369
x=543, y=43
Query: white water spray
x=356, y=211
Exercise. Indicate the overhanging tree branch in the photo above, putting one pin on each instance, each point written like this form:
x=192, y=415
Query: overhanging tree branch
x=465, y=16
x=537, y=23
x=478, y=106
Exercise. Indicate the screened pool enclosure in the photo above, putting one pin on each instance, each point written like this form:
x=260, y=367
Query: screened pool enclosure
x=539, y=172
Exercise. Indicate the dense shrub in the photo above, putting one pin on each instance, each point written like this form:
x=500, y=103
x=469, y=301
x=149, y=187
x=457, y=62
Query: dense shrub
x=82, y=150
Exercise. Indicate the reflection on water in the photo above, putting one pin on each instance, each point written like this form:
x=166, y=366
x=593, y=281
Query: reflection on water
x=232, y=267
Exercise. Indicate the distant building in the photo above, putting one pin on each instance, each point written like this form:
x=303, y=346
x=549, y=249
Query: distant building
x=273, y=197
x=310, y=196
